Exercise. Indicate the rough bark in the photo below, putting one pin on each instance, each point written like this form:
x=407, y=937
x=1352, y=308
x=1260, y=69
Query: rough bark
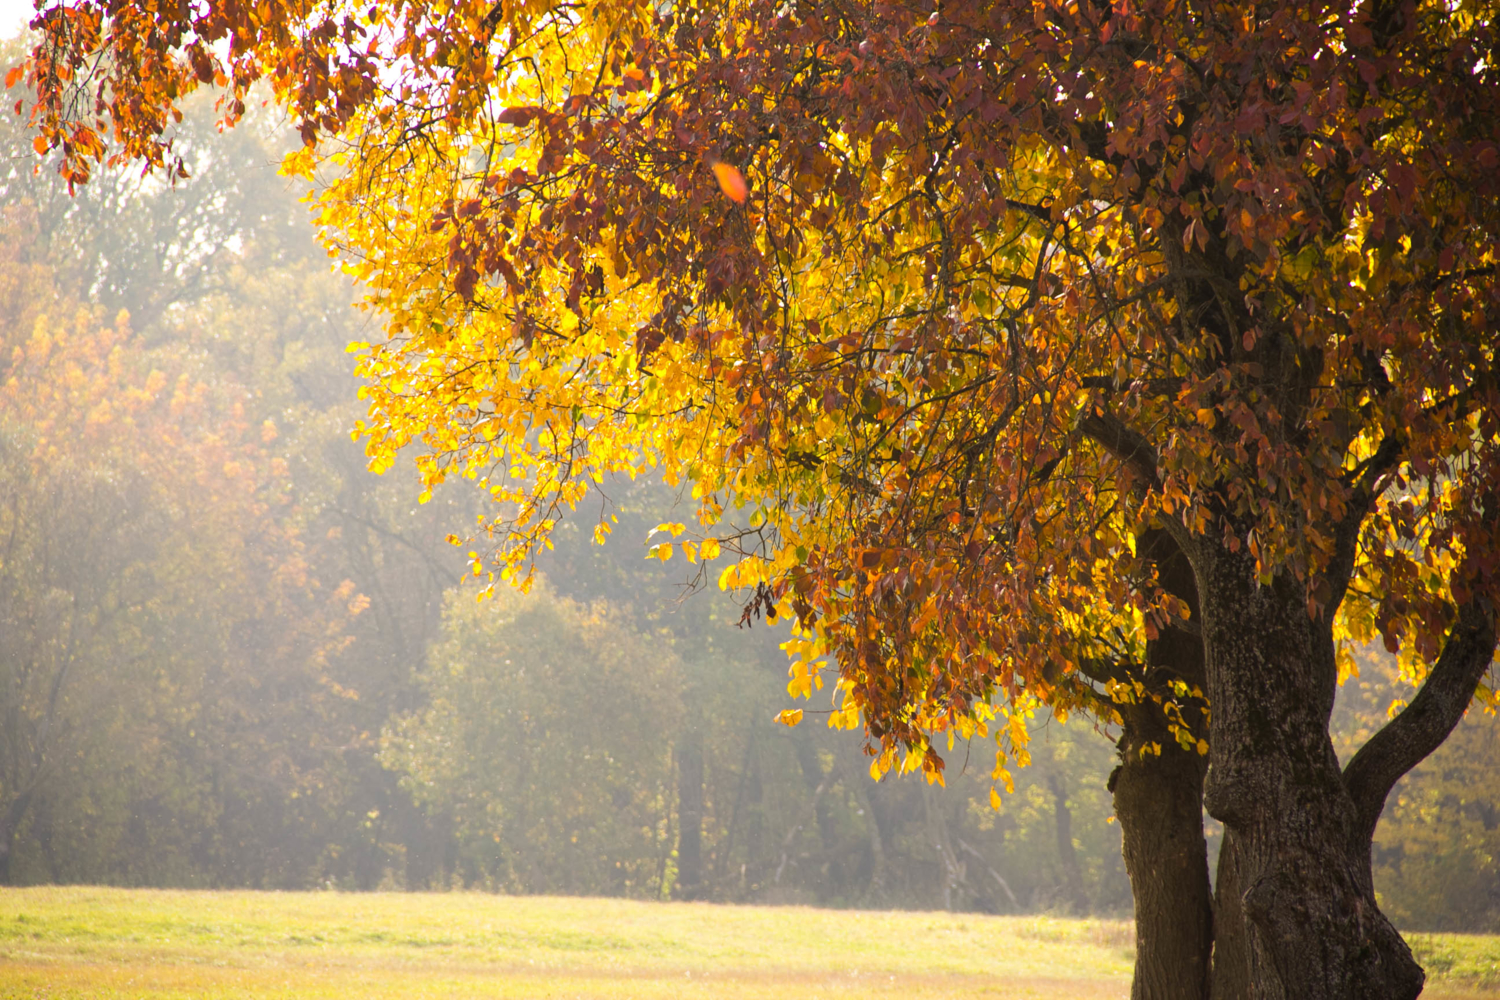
x=1312, y=928
x=1231, y=970
x=1159, y=802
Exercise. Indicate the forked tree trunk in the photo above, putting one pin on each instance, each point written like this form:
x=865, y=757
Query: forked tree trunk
x=1312, y=928
x=1159, y=803
x=1295, y=913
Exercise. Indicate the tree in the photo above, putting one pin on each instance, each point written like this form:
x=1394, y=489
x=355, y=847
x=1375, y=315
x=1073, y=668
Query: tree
x=175, y=673
x=543, y=736
x=141, y=570
x=971, y=310
x=790, y=814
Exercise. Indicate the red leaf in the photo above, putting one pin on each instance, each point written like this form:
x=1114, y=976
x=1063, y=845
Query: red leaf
x=464, y=283
x=518, y=116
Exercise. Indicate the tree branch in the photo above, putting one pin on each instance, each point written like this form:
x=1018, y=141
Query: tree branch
x=1367, y=485
x=1136, y=454
x=1111, y=433
x=1102, y=671
x=1424, y=724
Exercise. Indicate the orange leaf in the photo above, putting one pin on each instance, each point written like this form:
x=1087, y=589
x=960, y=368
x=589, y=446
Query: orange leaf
x=731, y=182
x=13, y=76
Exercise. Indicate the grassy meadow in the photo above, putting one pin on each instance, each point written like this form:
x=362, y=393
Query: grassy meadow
x=153, y=945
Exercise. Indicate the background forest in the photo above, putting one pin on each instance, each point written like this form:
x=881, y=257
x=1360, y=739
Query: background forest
x=230, y=656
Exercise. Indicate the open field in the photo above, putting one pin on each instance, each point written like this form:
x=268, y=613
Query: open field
x=154, y=945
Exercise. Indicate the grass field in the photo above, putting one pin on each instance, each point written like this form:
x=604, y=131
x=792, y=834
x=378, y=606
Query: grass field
x=153, y=945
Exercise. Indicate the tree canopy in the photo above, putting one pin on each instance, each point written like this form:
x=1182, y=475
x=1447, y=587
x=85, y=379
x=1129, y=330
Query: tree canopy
x=199, y=737
x=941, y=311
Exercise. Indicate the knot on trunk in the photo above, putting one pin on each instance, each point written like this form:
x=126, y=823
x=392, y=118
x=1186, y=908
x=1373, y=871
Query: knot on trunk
x=1259, y=900
x=1229, y=794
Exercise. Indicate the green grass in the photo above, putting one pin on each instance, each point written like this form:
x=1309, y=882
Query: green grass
x=154, y=945
x=1471, y=961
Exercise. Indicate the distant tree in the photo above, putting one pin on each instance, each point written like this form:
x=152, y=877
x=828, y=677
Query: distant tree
x=118, y=505
x=221, y=273
x=162, y=627
x=543, y=737
x=791, y=814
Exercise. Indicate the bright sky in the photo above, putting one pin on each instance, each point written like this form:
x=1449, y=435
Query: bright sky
x=13, y=16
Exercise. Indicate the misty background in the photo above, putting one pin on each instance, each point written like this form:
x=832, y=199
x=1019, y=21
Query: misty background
x=232, y=657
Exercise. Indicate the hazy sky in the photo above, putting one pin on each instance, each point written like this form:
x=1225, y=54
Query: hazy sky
x=14, y=14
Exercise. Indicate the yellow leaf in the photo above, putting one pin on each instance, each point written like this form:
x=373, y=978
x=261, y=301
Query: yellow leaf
x=789, y=716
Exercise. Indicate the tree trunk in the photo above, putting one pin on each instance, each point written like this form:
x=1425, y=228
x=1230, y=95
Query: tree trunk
x=1067, y=857
x=1158, y=799
x=10, y=824
x=1158, y=790
x=1313, y=930
x=690, y=816
x=875, y=889
x=952, y=876
x=1231, y=973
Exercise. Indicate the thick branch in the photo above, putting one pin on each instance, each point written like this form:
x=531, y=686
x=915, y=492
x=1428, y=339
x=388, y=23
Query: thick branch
x=1136, y=454
x=1424, y=724
x=1102, y=671
x=1111, y=433
x=1367, y=487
